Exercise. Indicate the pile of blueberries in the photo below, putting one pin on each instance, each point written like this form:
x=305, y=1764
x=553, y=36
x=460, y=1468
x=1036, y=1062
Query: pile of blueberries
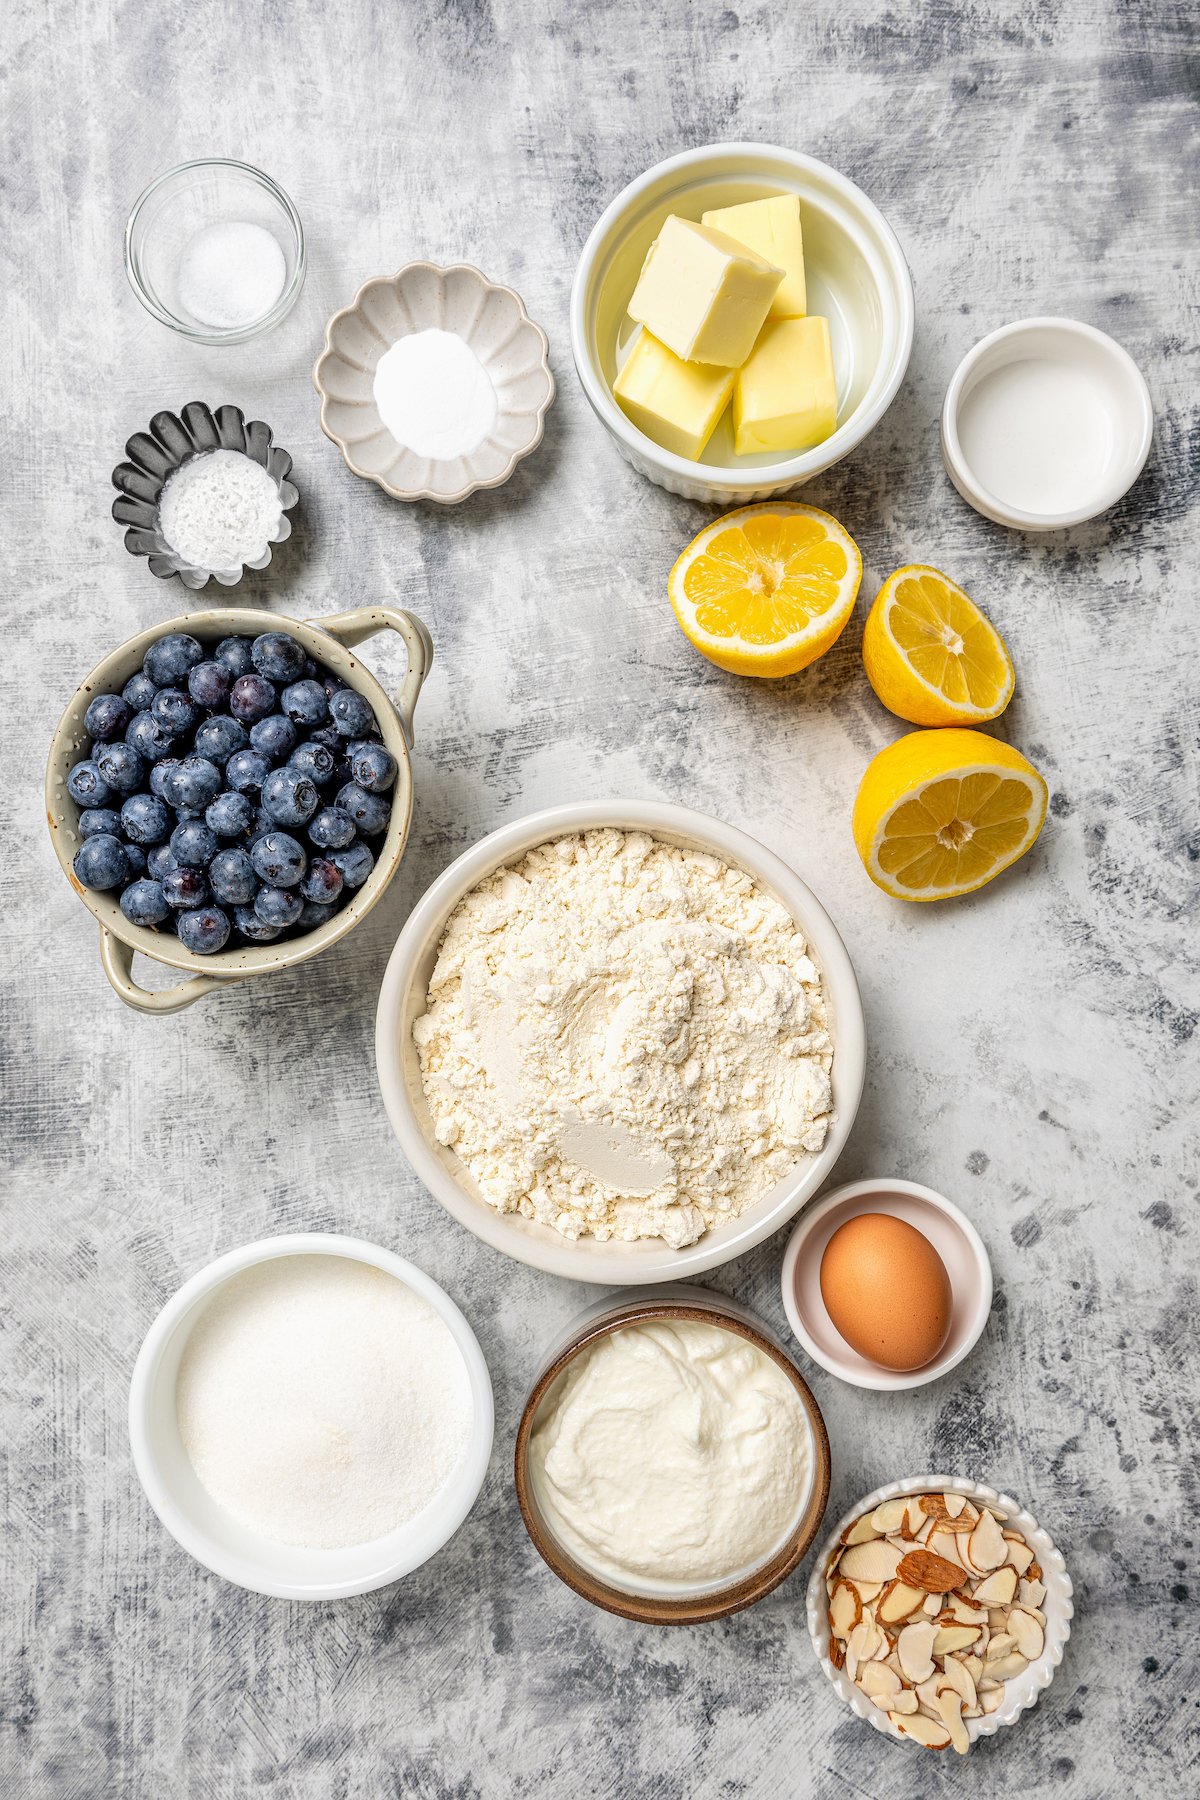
x=229, y=794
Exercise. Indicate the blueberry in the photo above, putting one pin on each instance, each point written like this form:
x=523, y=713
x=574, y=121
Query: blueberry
x=209, y=684
x=313, y=760
x=121, y=767
x=107, y=717
x=139, y=692
x=145, y=819
x=333, y=684
x=275, y=736
x=351, y=714
x=135, y=856
x=233, y=654
x=353, y=865
x=252, y=927
x=168, y=661
x=193, y=784
x=231, y=877
x=278, y=859
x=143, y=903
x=203, y=930
x=101, y=863
x=323, y=881
x=145, y=735
x=193, y=844
x=230, y=815
x=160, y=861
x=289, y=796
x=246, y=770
x=175, y=711
x=304, y=703
x=331, y=829
x=370, y=812
x=251, y=697
x=278, y=906
x=99, y=818
x=330, y=736
x=220, y=738
x=311, y=671
x=183, y=887
x=278, y=656
x=374, y=767
x=313, y=914
x=87, y=786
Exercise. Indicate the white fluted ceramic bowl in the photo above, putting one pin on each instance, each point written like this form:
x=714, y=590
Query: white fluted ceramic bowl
x=423, y=297
x=1027, y=1689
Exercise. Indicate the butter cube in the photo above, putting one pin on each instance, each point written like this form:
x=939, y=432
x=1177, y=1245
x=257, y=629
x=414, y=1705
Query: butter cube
x=702, y=295
x=771, y=228
x=674, y=402
x=785, y=398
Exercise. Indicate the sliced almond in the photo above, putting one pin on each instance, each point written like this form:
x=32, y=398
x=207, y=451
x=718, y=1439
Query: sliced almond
x=950, y=1706
x=861, y=1532
x=943, y=1543
x=926, y=1531
x=952, y=1638
x=1017, y=1552
x=892, y=1661
x=934, y=1574
x=965, y=1614
x=874, y=1561
x=990, y=1702
x=1034, y=1571
x=913, y=1647
x=961, y=1680
x=890, y=1516
x=1031, y=1593
x=996, y=1589
x=877, y=1680
x=1000, y=1645
x=1007, y=1668
x=845, y=1609
x=933, y=1605
x=898, y=1601
x=973, y=1666
x=903, y=1702
x=962, y=1551
x=914, y=1518
x=867, y=1590
x=987, y=1547
x=1028, y=1635
x=954, y=1504
x=998, y=1617
x=929, y=1732
x=837, y=1653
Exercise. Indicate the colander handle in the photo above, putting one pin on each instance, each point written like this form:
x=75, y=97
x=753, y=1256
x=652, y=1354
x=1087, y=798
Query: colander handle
x=350, y=628
x=116, y=959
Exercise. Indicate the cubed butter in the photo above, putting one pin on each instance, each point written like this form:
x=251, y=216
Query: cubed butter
x=702, y=295
x=785, y=398
x=674, y=402
x=771, y=228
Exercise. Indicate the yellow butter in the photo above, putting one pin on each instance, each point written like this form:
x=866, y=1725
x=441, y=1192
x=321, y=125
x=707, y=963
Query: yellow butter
x=702, y=295
x=674, y=402
x=771, y=228
x=785, y=398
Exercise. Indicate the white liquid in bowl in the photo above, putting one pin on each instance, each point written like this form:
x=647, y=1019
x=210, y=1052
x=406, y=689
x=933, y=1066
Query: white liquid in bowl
x=1038, y=434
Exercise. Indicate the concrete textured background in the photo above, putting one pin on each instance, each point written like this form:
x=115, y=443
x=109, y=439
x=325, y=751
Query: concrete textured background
x=1032, y=1051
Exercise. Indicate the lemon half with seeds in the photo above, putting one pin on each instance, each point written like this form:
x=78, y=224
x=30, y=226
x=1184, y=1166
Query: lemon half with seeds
x=938, y=813
x=767, y=589
x=931, y=655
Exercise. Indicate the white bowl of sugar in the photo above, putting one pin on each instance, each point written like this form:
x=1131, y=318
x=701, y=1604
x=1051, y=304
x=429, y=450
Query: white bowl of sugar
x=311, y=1417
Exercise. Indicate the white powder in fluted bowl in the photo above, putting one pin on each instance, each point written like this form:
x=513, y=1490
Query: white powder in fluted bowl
x=220, y=510
x=322, y=1402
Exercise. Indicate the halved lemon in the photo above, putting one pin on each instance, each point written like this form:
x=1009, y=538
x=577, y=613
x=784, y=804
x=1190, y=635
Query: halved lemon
x=940, y=812
x=930, y=654
x=766, y=589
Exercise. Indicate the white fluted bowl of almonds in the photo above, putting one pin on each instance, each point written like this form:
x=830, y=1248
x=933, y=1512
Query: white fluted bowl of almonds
x=939, y=1610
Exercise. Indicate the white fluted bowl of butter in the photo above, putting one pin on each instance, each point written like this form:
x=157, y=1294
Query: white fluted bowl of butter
x=741, y=319
x=620, y=1041
x=671, y=1464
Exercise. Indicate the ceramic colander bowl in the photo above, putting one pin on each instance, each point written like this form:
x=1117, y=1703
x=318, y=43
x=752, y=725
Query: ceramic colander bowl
x=329, y=642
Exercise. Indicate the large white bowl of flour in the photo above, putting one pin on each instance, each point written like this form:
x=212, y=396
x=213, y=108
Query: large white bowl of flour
x=676, y=1174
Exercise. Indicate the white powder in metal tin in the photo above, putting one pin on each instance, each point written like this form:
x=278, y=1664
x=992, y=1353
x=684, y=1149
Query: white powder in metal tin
x=220, y=510
x=322, y=1402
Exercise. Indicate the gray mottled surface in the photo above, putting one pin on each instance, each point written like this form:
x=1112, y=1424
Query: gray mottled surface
x=1033, y=1052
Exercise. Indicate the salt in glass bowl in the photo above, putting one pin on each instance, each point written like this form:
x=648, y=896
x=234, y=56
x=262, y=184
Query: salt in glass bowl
x=182, y=201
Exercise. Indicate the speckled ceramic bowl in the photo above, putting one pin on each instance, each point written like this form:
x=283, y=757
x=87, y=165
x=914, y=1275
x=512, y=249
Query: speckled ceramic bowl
x=1026, y=1689
x=423, y=297
x=329, y=642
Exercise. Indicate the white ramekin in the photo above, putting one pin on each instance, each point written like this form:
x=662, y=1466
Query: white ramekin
x=1027, y=1689
x=853, y=258
x=402, y=1001
x=1117, y=381
x=218, y=1541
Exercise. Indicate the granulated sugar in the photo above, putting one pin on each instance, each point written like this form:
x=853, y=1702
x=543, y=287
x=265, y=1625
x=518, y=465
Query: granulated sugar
x=231, y=274
x=220, y=510
x=322, y=1402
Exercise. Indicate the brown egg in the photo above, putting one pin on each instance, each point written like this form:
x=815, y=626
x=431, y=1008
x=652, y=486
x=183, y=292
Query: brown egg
x=886, y=1289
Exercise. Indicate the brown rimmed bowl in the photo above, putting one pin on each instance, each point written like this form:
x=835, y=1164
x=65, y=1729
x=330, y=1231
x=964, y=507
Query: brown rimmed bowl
x=690, y=1606
x=328, y=641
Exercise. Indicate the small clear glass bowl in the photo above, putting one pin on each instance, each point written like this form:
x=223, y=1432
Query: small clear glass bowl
x=181, y=202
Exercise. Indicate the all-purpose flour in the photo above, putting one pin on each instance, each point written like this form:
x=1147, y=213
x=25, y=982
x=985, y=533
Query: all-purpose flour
x=625, y=1039
x=321, y=1401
